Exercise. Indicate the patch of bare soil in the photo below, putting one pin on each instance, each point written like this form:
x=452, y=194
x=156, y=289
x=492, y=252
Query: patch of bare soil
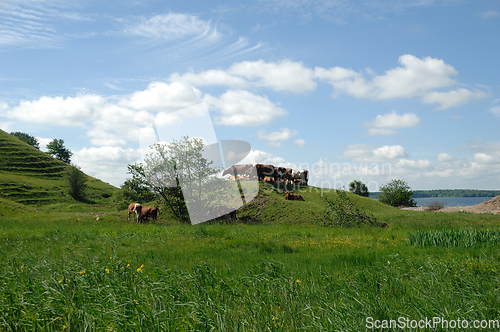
x=491, y=206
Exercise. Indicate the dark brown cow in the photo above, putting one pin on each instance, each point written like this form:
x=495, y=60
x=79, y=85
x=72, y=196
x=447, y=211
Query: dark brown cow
x=136, y=209
x=266, y=170
x=149, y=211
x=293, y=197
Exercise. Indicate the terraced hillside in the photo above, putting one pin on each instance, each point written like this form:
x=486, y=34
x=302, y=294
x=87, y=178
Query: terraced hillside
x=30, y=176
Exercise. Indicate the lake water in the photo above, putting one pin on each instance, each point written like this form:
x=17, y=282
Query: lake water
x=452, y=201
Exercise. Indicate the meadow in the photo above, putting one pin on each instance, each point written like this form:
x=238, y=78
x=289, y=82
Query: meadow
x=83, y=267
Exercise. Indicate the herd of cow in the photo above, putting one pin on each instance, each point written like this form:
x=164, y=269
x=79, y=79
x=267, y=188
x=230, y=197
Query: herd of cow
x=267, y=173
x=247, y=172
x=142, y=213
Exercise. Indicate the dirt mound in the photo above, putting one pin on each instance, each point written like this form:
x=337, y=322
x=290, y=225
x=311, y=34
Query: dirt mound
x=491, y=206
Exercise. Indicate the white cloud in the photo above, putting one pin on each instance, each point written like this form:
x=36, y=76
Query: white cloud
x=107, y=162
x=444, y=157
x=57, y=111
x=169, y=26
x=161, y=96
x=366, y=153
x=282, y=76
x=495, y=110
x=384, y=124
x=275, y=138
x=394, y=120
x=242, y=108
x=299, y=142
x=210, y=77
x=421, y=164
x=381, y=131
x=485, y=158
x=262, y=157
x=452, y=98
x=285, y=75
x=413, y=78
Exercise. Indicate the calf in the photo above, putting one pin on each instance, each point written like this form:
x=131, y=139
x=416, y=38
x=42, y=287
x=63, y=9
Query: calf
x=293, y=197
x=136, y=209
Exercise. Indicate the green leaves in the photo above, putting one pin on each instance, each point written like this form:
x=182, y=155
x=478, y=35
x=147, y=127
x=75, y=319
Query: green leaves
x=57, y=149
x=397, y=193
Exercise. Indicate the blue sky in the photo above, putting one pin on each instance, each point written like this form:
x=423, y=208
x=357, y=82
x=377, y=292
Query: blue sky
x=366, y=90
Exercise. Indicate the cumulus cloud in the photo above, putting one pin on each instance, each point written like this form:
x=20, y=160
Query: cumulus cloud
x=108, y=162
x=57, y=111
x=282, y=76
x=285, y=75
x=368, y=154
x=275, y=138
x=413, y=78
x=161, y=96
x=242, y=108
x=443, y=157
x=385, y=124
x=452, y=98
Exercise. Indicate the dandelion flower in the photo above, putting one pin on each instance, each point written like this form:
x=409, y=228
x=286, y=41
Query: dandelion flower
x=140, y=268
x=107, y=270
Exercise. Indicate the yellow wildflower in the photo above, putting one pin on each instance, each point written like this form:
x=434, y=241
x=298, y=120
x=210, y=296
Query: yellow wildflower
x=140, y=268
x=82, y=272
x=60, y=281
x=107, y=270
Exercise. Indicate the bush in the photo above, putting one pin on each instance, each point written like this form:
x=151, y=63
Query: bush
x=435, y=206
x=76, y=181
x=359, y=188
x=397, y=193
x=342, y=212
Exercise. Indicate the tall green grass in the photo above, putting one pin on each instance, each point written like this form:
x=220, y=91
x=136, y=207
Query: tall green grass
x=464, y=237
x=74, y=272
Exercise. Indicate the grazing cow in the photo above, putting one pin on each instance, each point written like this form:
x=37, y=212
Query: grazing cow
x=238, y=178
x=136, y=209
x=149, y=211
x=302, y=176
x=266, y=170
x=220, y=211
x=267, y=179
x=235, y=170
x=281, y=174
x=293, y=197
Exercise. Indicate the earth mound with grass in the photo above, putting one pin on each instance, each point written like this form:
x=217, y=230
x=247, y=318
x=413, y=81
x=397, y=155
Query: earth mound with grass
x=32, y=177
x=491, y=206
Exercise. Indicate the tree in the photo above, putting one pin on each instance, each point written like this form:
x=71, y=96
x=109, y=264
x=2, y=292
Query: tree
x=359, y=188
x=180, y=174
x=397, y=193
x=27, y=139
x=57, y=149
x=76, y=181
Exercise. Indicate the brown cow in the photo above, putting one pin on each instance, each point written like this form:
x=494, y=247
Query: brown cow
x=236, y=170
x=149, y=211
x=136, y=209
x=266, y=170
x=293, y=197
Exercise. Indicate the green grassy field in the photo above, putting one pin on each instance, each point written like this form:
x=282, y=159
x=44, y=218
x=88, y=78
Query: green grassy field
x=85, y=268
x=82, y=266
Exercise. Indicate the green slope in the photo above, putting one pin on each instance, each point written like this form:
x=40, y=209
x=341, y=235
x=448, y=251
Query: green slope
x=270, y=206
x=30, y=176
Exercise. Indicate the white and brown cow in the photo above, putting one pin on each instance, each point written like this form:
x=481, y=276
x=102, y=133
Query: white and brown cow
x=136, y=209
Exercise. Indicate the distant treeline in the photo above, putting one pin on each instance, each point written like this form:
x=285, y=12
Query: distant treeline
x=450, y=193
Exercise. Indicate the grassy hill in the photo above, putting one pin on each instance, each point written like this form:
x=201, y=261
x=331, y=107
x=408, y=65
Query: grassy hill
x=30, y=176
